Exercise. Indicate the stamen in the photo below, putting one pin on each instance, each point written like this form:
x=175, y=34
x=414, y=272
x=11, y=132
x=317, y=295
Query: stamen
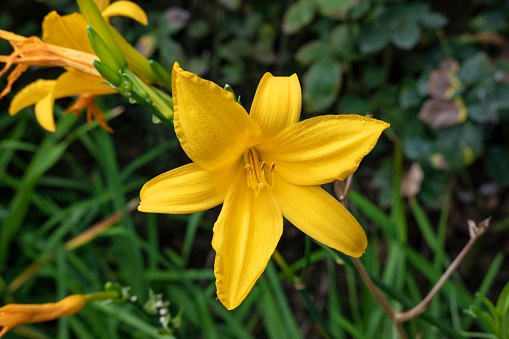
x=255, y=171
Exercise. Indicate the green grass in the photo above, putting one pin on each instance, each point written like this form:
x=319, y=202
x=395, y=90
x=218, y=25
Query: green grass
x=53, y=196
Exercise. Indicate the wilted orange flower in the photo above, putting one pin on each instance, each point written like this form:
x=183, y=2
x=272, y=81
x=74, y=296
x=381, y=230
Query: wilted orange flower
x=33, y=51
x=64, y=44
x=13, y=315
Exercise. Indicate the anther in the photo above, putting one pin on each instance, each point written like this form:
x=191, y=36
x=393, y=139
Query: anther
x=255, y=171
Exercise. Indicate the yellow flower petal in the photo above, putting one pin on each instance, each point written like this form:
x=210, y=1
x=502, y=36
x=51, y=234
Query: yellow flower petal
x=125, y=8
x=44, y=112
x=321, y=149
x=213, y=129
x=43, y=93
x=73, y=83
x=30, y=95
x=277, y=103
x=69, y=31
x=137, y=62
x=102, y=4
x=245, y=236
x=319, y=215
x=187, y=189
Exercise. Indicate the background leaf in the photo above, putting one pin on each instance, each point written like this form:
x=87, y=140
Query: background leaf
x=321, y=85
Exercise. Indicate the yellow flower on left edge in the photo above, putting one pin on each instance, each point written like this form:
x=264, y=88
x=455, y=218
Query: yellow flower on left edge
x=12, y=315
x=64, y=44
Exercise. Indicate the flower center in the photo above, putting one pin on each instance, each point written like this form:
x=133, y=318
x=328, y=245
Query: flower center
x=255, y=169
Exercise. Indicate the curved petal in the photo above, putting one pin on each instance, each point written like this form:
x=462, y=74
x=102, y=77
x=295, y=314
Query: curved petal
x=126, y=8
x=277, y=103
x=72, y=83
x=245, y=236
x=43, y=93
x=44, y=112
x=186, y=189
x=212, y=128
x=102, y=4
x=319, y=215
x=68, y=84
x=31, y=94
x=69, y=31
x=321, y=149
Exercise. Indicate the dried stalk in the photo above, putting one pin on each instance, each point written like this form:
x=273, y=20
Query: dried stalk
x=475, y=232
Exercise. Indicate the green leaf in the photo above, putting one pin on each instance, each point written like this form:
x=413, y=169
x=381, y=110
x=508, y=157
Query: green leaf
x=482, y=113
x=501, y=97
x=433, y=20
x=474, y=68
x=297, y=16
x=335, y=9
x=343, y=38
x=373, y=40
x=373, y=77
x=232, y=5
x=503, y=301
x=417, y=148
x=359, y=10
x=403, y=122
x=406, y=36
x=312, y=51
x=322, y=82
x=171, y=51
x=409, y=98
x=488, y=304
x=352, y=104
x=484, y=317
x=491, y=21
x=496, y=164
x=460, y=144
x=413, y=11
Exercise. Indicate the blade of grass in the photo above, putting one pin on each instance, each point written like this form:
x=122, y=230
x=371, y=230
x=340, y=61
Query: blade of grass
x=48, y=153
x=334, y=304
x=192, y=227
x=288, y=321
x=131, y=264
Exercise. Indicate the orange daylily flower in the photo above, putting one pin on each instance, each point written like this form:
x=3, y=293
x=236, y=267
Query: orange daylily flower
x=12, y=315
x=64, y=44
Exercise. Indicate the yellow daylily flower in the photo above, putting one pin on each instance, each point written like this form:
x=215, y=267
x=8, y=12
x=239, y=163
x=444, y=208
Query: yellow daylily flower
x=261, y=166
x=12, y=315
x=65, y=44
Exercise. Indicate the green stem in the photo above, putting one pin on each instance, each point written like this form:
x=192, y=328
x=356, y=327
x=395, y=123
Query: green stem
x=148, y=105
x=307, y=259
x=105, y=295
x=281, y=262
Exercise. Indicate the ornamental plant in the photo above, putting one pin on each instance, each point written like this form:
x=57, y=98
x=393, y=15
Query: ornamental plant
x=207, y=257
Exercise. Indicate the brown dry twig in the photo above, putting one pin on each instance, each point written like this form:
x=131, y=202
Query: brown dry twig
x=475, y=231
